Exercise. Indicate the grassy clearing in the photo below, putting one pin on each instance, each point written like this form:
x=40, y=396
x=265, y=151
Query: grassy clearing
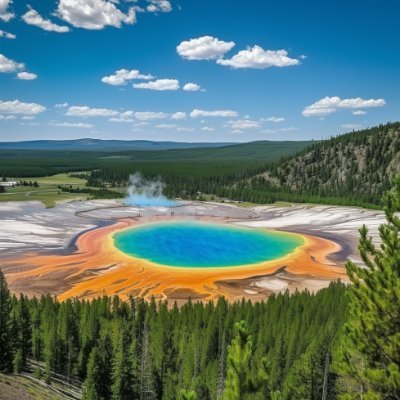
x=47, y=192
x=15, y=387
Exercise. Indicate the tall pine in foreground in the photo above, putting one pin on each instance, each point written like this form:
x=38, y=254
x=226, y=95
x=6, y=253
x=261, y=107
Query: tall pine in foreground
x=240, y=380
x=371, y=343
x=5, y=339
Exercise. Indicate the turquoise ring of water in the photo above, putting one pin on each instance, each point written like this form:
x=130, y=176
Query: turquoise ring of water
x=191, y=244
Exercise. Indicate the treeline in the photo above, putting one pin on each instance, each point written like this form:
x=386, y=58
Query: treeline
x=101, y=193
x=140, y=350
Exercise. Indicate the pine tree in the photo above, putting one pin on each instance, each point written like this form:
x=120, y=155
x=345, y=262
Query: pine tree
x=125, y=386
x=5, y=339
x=239, y=378
x=371, y=342
x=187, y=395
x=25, y=332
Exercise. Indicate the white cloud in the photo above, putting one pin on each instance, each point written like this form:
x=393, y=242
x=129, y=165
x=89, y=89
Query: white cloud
x=28, y=117
x=61, y=105
x=178, y=115
x=216, y=113
x=289, y=129
x=352, y=126
x=94, y=14
x=207, y=129
x=273, y=119
x=122, y=76
x=242, y=124
x=150, y=115
x=165, y=126
x=79, y=125
x=85, y=111
x=258, y=58
x=359, y=112
x=203, y=48
x=329, y=105
x=26, y=76
x=7, y=35
x=8, y=65
x=159, y=5
x=123, y=120
x=5, y=15
x=184, y=129
x=158, y=84
x=191, y=87
x=32, y=17
x=18, y=107
x=7, y=117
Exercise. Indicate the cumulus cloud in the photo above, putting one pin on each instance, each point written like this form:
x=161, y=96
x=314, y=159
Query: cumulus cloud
x=19, y=107
x=207, y=129
x=7, y=35
x=242, y=124
x=359, y=112
x=150, y=115
x=273, y=119
x=159, y=5
x=329, y=105
x=203, y=48
x=289, y=129
x=158, y=84
x=5, y=14
x=7, y=65
x=85, y=111
x=191, y=87
x=26, y=76
x=258, y=58
x=61, y=105
x=94, y=14
x=32, y=17
x=178, y=115
x=165, y=126
x=79, y=125
x=216, y=113
x=7, y=117
x=122, y=76
x=352, y=126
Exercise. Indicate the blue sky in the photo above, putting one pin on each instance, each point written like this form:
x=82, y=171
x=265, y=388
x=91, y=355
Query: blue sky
x=257, y=70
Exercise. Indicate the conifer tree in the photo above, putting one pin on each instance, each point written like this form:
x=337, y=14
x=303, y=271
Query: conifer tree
x=187, y=395
x=99, y=371
x=25, y=333
x=239, y=378
x=125, y=386
x=5, y=339
x=371, y=342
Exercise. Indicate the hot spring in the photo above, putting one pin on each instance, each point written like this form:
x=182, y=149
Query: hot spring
x=204, y=245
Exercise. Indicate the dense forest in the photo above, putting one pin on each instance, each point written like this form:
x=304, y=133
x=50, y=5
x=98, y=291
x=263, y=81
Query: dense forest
x=340, y=343
x=139, y=350
x=355, y=168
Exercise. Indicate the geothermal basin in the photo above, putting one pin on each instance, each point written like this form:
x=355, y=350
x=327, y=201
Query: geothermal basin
x=199, y=250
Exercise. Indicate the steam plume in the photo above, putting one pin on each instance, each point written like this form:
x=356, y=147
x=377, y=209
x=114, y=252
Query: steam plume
x=144, y=192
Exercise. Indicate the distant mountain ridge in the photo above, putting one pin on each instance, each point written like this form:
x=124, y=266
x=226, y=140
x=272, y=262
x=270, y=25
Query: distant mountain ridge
x=104, y=145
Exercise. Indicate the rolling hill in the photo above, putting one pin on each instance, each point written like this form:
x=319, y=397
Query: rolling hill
x=354, y=168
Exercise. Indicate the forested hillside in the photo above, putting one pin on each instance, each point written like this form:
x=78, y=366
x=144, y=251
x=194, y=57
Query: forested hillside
x=355, y=168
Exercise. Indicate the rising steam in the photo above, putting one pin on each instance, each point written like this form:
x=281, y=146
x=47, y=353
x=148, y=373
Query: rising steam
x=144, y=192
